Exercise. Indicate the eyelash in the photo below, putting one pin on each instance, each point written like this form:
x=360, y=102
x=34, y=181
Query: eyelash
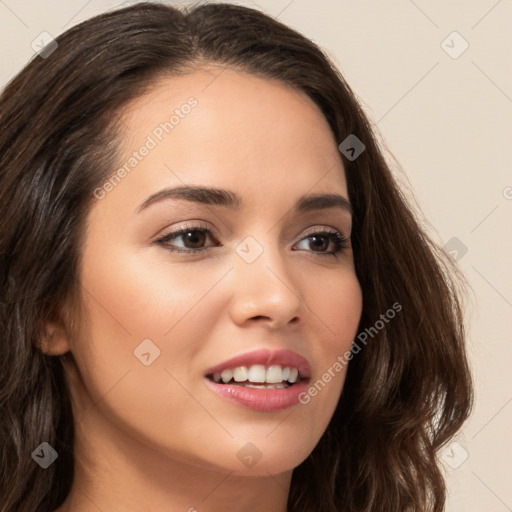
x=340, y=241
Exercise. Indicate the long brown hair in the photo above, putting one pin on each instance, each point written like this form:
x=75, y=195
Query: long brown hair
x=407, y=391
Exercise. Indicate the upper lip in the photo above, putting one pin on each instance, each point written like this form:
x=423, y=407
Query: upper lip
x=265, y=357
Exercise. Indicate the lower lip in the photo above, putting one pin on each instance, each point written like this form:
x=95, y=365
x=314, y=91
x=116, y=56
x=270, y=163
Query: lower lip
x=264, y=400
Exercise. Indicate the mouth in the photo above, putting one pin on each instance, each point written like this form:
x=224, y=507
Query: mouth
x=262, y=380
x=258, y=376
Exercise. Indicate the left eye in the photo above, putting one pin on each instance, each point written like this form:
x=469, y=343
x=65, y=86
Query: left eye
x=324, y=239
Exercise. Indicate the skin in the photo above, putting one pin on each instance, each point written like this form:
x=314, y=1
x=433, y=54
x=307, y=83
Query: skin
x=155, y=437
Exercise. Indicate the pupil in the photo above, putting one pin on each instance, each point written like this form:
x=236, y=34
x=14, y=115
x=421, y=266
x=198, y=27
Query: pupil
x=192, y=236
x=316, y=239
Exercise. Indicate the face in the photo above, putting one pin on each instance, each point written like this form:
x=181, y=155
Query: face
x=185, y=289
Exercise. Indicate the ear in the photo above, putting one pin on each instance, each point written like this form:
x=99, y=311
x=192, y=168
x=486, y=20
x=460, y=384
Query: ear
x=54, y=340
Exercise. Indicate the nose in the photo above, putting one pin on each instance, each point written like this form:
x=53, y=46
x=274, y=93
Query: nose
x=265, y=291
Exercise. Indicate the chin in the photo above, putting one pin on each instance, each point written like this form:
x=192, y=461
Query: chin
x=268, y=454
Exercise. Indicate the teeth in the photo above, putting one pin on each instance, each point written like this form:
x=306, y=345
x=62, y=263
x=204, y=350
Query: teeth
x=258, y=374
x=226, y=376
x=274, y=374
x=240, y=374
x=294, y=373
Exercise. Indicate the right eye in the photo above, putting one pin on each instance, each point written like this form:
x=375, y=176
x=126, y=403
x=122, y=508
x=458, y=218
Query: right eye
x=193, y=239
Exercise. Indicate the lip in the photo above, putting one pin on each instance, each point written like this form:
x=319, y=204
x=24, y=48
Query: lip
x=263, y=400
x=266, y=357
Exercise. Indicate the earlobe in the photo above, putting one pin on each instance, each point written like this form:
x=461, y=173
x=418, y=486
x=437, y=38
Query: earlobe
x=55, y=340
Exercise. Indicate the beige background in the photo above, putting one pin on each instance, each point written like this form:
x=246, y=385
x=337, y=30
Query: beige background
x=448, y=122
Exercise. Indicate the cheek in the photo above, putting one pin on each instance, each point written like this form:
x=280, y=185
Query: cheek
x=338, y=309
x=147, y=321
x=139, y=297
x=142, y=313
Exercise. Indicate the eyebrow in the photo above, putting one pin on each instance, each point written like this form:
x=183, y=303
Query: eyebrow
x=227, y=199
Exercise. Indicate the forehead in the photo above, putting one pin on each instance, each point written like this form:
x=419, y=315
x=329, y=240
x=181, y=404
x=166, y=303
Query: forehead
x=218, y=125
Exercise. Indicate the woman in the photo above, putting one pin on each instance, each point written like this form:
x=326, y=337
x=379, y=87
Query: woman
x=214, y=295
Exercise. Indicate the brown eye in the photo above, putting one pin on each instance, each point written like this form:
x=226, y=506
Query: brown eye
x=193, y=239
x=318, y=242
x=321, y=241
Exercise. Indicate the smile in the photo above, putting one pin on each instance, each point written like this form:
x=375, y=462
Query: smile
x=258, y=376
x=262, y=380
